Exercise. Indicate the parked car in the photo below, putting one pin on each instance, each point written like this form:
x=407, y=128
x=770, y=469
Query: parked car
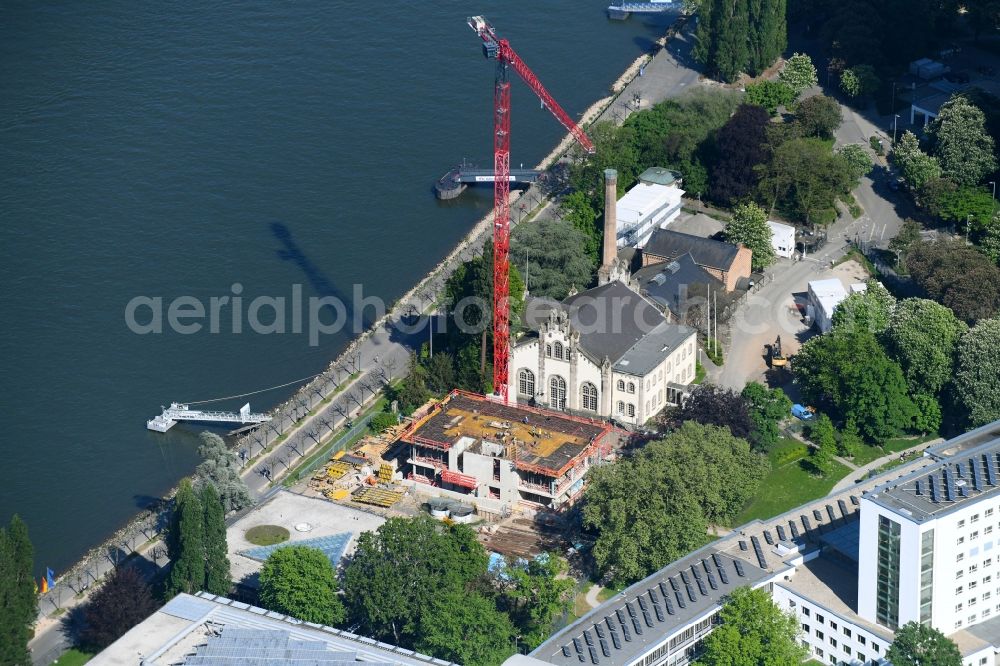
x=802, y=412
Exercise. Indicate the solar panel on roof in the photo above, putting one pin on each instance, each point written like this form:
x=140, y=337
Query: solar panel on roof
x=991, y=470
x=793, y=529
x=642, y=603
x=691, y=595
x=593, y=655
x=975, y=474
x=626, y=633
x=829, y=512
x=587, y=637
x=723, y=575
x=673, y=584
x=653, y=596
x=694, y=570
x=781, y=533
x=743, y=544
x=704, y=563
x=684, y=577
x=566, y=652
x=658, y=609
x=931, y=486
x=919, y=488
x=961, y=469
x=711, y=581
x=768, y=538
x=578, y=645
x=637, y=626
x=817, y=515
x=739, y=569
x=600, y=630
x=842, y=505
x=680, y=599
x=648, y=618
x=806, y=525
x=717, y=559
x=604, y=648
x=702, y=587
x=669, y=604
x=631, y=609
x=616, y=641
x=854, y=500
x=949, y=484
x=758, y=552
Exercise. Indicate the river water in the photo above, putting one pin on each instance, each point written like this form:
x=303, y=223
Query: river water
x=173, y=149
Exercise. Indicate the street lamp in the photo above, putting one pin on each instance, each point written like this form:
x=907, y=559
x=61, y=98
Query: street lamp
x=895, y=122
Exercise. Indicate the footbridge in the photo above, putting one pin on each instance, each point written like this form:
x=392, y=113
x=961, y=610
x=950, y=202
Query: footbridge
x=178, y=412
x=455, y=181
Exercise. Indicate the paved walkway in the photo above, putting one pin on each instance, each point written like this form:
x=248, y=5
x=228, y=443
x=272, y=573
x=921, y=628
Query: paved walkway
x=591, y=597
x=860, y=473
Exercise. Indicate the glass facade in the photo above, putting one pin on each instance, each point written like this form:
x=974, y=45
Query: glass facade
x=926, y=575
x=887, y=583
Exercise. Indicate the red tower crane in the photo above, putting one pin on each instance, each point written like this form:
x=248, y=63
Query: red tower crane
x=500, y=50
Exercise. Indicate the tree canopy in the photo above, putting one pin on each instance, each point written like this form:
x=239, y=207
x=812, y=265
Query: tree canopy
x=869, y=310
x=923, y=338
x=710, y=404
x=697, y=474
x=122, y=601
x=960, y=141
x=918, y=644
x=977, y=388
x=851, y=373
x=858, y=159
x=748, y=227
x=753, y=632
x=818, y=116
x=859, y=81
x=221, y=468
x=300, y=581
x=218, y=579
x=557, y=260
x=398, y=571
x=742, y=36
x=465, y=628
x=769, y=95
x=799, y=73
x=18, y=599
x=917, y=167
x=186, y=543
x=532, y=593
x=957, y=276
x=767, y=408
x=804, y=180
x=741, y=145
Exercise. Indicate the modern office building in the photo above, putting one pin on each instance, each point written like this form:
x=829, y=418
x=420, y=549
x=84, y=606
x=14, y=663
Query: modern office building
x=651, y=204
x=917, y=543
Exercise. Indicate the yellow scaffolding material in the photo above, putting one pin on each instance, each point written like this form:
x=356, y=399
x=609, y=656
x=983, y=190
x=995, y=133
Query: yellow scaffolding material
x=338, y=469
x=385, y=472
x=338, y=494
x=378, y=496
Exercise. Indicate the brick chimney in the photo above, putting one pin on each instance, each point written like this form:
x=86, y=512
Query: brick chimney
x=610, y=253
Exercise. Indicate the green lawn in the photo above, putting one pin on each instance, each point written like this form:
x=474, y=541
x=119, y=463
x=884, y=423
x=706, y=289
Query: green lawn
x=73, y=657
x=869, y=453
x=789, y=485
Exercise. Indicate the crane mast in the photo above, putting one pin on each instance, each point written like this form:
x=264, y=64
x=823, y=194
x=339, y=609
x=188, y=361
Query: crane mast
x=500, y=50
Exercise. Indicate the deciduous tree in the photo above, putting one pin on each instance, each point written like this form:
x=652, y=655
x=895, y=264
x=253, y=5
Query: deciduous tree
x=754, y=632
x=767, y=408
x=712, y=405
x=804, y=179
x=532, y=593
x=918, y=644
x=465, y=628
x=400, y=569
x=850, y=439
x=977, y=388
x=122, y=601
x=556, y=256
x=300, y=581
x=960, y=141
x=858, y=159
x=923, y=337
x=221, y=468
x=869, y=310
x=769, y=95
x=799, y=73
x=818, y=116
x=824, y=436
x=741, y=145
x=916, y=166
x=859, y=81
x=957, y=276
x=748, y=227
x=18, y=599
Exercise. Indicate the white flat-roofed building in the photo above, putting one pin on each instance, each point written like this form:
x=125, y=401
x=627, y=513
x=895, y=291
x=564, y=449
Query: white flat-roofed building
x=824, y=297
x=782, y=239
x=652, y=204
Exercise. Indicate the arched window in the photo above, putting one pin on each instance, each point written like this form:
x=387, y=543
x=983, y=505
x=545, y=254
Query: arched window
x=557, y=392
x=631, y=387
x=690, y=348
x=526, y=382
x=631, y=410
x=566, y=354
x=670, y=366
x=588, y=393
x=621, y=407
x=557, y=350
x=548, y=350
x=621, y=384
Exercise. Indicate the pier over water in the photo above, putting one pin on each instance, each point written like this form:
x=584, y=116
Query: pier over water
x=177, y=412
